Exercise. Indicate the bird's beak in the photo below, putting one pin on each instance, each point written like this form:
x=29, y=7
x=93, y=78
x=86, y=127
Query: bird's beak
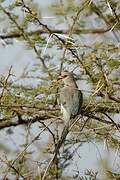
x=60, y=77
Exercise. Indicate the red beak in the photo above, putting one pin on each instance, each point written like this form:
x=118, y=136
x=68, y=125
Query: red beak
x=60, y=77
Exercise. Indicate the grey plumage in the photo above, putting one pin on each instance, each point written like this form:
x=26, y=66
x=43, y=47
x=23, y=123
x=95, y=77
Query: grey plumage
x=70, y=97
x=71, y=101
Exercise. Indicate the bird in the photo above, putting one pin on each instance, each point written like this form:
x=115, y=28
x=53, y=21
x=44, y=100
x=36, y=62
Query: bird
x=71, y=99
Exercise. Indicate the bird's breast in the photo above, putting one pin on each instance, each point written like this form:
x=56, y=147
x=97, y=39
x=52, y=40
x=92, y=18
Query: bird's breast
x=66, y=114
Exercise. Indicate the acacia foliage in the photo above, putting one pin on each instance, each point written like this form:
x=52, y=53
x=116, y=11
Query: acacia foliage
x=80, y=36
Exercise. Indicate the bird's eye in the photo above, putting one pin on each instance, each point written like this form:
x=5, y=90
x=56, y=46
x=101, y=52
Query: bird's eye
x=64, y=76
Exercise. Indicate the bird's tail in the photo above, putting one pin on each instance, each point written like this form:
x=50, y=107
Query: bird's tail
x=62, y=139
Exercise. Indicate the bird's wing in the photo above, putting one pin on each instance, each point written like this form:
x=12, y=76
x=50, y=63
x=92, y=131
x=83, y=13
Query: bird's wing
x=71, y=101
x=66, y=99
x=77, y=100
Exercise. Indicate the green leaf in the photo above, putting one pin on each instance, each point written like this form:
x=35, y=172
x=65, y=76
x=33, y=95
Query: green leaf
x=113, y=63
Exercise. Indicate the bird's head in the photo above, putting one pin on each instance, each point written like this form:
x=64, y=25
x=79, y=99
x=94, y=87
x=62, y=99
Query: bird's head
x=67, y=78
